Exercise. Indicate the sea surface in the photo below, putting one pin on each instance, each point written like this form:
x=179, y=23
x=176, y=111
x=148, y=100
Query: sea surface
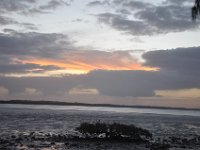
x=16, y=118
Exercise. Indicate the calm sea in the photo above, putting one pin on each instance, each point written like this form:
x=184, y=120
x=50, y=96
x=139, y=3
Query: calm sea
x=181, y=112
x=17, y=118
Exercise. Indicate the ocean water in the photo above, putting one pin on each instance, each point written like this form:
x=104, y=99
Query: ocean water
x=181, y=112
x=16, y=118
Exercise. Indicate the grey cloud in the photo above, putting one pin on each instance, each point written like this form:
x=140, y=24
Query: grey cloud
x=123, y=24
x=29, y=7
x=53, y=4
x=13, y=6
x=111, y=83
x=5, y=59
x=140, y=83
x=5, y=21
x=8, y=66
x=97, y=3
x=16, y=47
x=29, y=26
x=47, y=85
x=34, y=44
x=19, y=6
x=121, y=83
x=8, y=30
x=148, y=18
x=177, y=2
x=10, y=21
x=124, y=12
x=182, y=60
x=25, y=68
x=108, y=83
x=178, y=70
x=168, y=18
x=135, y=5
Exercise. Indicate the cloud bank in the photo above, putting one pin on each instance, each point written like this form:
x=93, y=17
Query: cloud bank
x=141, y=18
x=178, y=70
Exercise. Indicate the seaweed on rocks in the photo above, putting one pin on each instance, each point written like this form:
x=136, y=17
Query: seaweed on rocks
x=114, y=131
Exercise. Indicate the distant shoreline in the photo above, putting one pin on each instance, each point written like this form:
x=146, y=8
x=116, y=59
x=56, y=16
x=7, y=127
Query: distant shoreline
x=59, y=103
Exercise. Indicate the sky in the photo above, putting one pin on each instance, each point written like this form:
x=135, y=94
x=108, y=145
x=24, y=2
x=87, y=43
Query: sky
x=124, y=52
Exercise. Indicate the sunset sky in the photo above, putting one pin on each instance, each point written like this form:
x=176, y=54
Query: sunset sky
x=127, y=52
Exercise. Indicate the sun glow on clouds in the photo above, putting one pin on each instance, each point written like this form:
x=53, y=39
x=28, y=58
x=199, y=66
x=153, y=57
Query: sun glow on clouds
x=181, y=93
x=82, y=68
x=83, y=91
x=82, y=62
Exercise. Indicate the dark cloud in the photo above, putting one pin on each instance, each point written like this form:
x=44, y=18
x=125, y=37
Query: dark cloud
x=7, y=6
x=111, y=83
x=166, y=19
x=25, y=68
x=135, y=5
x=140, y=83
x=30, y=7
x=177, y=2
x=121, y=83
x=141, y=18
x=124, y=12
x=10, y=21
x=181, y=60
x=53, y=4
x=27, y=8
x=48, y=85
x=6, y=21
x=123, y=24
x=10, y=5
x=33, y=43
x=29, y=26
x=97, y=3
x=178, y=70
x=10, y=65
x=15, y=48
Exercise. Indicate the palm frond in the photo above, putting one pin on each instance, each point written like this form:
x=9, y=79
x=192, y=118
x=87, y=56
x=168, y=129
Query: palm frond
x=195, y=9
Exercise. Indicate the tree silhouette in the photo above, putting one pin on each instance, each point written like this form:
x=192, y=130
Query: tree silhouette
x=196, y=9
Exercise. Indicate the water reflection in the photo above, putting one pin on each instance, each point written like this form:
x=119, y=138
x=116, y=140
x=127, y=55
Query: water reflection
x=107, y=109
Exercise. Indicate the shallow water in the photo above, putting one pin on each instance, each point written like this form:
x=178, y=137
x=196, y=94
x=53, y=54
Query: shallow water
x=107, y=109
x=59, y=119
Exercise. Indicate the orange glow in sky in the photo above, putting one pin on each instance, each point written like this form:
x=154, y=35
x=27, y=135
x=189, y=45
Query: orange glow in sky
x=78, y=67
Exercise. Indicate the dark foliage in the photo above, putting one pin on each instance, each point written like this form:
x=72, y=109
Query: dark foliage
x=196, y=9
x=114, y=131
